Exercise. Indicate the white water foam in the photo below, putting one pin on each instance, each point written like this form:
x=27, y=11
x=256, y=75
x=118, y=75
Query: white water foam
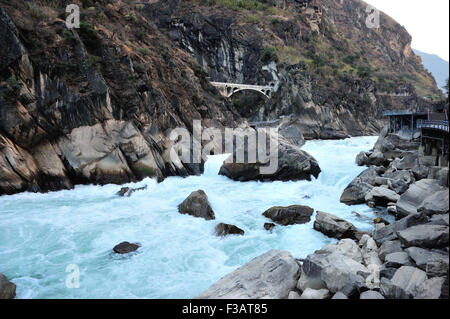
x=41, y=234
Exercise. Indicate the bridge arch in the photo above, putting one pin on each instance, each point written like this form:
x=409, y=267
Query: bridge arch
x=266, y=93
x=228, y=89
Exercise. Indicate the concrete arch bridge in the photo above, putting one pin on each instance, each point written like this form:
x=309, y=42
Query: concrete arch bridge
x=228, y=89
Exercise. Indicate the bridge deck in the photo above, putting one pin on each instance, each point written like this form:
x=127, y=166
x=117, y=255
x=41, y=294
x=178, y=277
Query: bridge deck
x=433, y=124
x=242, y=86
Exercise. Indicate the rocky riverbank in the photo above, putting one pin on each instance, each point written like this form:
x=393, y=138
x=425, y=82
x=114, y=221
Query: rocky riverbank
x=406, y=259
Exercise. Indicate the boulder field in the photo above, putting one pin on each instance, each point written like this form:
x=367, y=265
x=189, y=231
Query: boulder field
x=405, y=259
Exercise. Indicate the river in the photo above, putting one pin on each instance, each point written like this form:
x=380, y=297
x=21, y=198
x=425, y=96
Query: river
x=42, y=234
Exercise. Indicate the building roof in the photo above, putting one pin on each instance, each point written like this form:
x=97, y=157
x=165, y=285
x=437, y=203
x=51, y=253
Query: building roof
x=403, y=112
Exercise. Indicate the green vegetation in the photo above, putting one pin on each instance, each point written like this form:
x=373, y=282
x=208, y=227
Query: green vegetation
x=199, y=71
x=144, y=51
x=147, y=171
x=139, y=67
x=94, y=60
x=36, y=12
x=88, y=3
x=89, y=34
x=13, y=83
x=237, y=4
x=269, y=54
x=253, y=19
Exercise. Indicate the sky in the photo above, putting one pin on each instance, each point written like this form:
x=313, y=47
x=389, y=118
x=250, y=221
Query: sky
x=426, y=20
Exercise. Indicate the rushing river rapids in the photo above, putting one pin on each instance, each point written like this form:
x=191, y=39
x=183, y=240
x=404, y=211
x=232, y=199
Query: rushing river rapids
x=41, y=234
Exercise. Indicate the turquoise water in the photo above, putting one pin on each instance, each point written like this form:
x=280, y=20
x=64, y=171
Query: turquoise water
x=41, y=234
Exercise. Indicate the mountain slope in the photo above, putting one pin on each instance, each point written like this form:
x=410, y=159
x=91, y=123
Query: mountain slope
x=333, y=74
x=437, y=66
x=92, y=105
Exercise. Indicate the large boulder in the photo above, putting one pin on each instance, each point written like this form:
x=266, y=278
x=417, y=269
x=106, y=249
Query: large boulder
x=430, y=289
x=291, y=215
x=437, y=203
x=362, y=159
x=197, y=205
x=440, y=220
x=339, y=267
x=370, y=251
x=125, y=248
x=424, y=236
x=381, y=196
x=7, y=288
x=404, y=284
x=270, y=276
x=434, y=262
x=371, y=295
x=315, y=294
x=412, y=199
x=223, y=230
x=389, y=247
x=333, y=226
x=397, y=260
x=384, y=233
x=356, y=191
x=293, y=164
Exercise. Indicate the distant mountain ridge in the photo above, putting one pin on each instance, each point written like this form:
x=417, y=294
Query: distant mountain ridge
x=436, y=65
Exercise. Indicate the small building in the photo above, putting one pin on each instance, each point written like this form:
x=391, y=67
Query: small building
x=430, y=126
x=404, y=122
x=434, y=135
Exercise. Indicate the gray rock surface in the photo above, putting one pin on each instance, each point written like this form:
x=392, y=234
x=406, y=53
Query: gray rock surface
x=293, y=164
x=293, y=295
x=404, y=284
x=223, y=230
x=422, y=256
x=291, y=215
x=426, y=236
x=339, y=295
x=370, y=294
x=415, y=195
x=333, y=226
x=7, y=288
x=197, y=205
x=338, y=266
x=381, y=196
x=442, y=220
x=125, y=248
x=397, y=260
x=437, y=203
x=272, y=275
x=430, y=289
x=389, y=247
x=315, y=294
x=356, y=191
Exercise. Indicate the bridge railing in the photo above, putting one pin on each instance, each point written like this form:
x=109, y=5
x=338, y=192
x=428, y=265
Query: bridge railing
x=433, y=124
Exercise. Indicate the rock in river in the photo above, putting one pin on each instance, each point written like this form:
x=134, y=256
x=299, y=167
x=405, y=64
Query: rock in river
x=356, y=191
x=293, y=164
x=197, y=205
x=270, y=276
x=333, y=226
x=223, y=230
x=7, y=288
x=125, y=248
x=291, y=215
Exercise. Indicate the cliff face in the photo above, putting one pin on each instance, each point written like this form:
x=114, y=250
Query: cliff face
x=332, y=73
x=93, y=105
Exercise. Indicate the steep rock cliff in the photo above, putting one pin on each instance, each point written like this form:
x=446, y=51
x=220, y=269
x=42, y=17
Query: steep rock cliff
x=93, y=105
x=334, y=76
